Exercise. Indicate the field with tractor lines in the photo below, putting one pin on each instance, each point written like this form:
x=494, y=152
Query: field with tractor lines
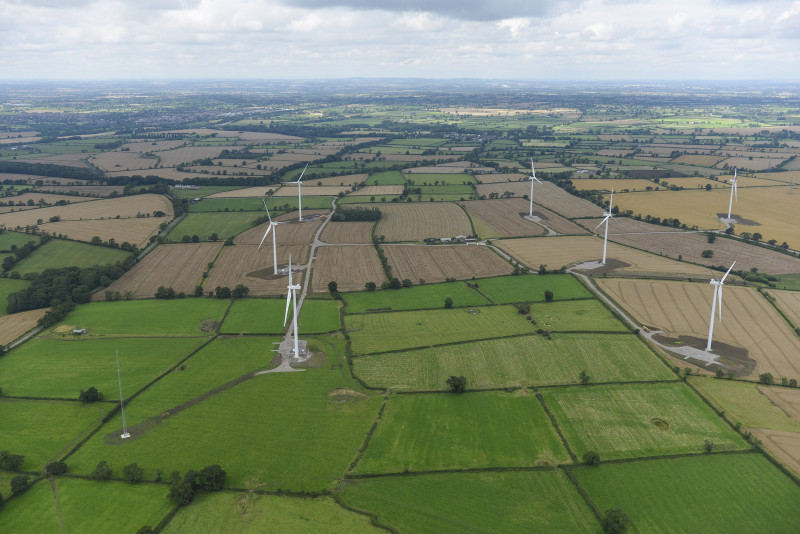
x=436, y=263
x=350, y=266
x=415, y=222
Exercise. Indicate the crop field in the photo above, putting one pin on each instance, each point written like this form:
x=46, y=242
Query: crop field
x=84, y=190
x=358, y=199
x=575, y=316
x=619, y=185
x=789, y=304
x=504, y=216
x=290, y=233
x=555, y=252
x=125, y=161
x=382, y=332
x=61, y=369
x=246, y=192
x=436, y=432
x=136, y=231
x=509, y=289
x=345, y=180
x=255, y=316
x=58, y=253
x=788, y=400
x=41, y=429
x=348, y=233
x=223, y=224
x=14, y=325
x=481, y=502
x=413, y=298
x=635, y=420
x=416, y=222
x=310, y=190
x=522, y=361
x=379, y=190
x=436, y=263
x=548, y=195
x=15, y=238
x=698, y=159
x=8, y=286
x=493, y=178
x=350, y=266
x=178, y=266
x=754, y=163
x=20, y=202
x=749, y=321
x=746, y=489
x=245, y=264
x=257, y=513
x=448, y=178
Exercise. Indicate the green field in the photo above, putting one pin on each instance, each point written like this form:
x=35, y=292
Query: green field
x=422, y=179
x=445, y=431
x=436, y=190
x=287, y=204
x=356, y=199
x=621, y=421
x=709, y=493
x=386, y=178
x=265, y=316
x=61, y=369
x=319, y=316
x=575, y=316
x=413, y=298
x=8, y=286
x=19, y=239
x=223, y=224
x=519, y=361
x=204, y=190
x=508, y=289
x=227, y=205
x=514, y=501
x=418, y=141
x=743, y=402
x=382, y=332
x=58, y=253
x=131, y=506
x=251, y=513
x=179, y=317
x=41, y=430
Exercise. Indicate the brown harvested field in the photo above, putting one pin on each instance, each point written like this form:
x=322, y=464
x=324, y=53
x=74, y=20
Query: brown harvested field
x=436, y=263
x=150, y=145
x=782, y=444
x=14, y=325
x=600, y=184
x=173, y=158
x=351, y=266
x=517, y=189
x=348, y=180
x=348, y=233
x=245, y=264
x=683, y=308
x=23, y=199
x=310, y=190
x=177, y=266
x=615, y=153
x=502, y=218
x=376, y=190
x=418, y=221
x=87, y=190
x=247, y=192
x=290, y=233
x=71, y=160
x=124, y=161
x=498, y=178
x=754, y=164
x=786, y=399
x=548, y=195
x=789, y=303
x=136, y=231
x=698, y=159
x=265, y=137
x=568, y=250
x=15, y=135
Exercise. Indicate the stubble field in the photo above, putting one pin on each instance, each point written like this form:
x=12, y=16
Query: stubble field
x=436, y=263
x=349, y=266
x=415, y=222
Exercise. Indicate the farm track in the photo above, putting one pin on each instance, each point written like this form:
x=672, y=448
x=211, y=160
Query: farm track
x=59, y=516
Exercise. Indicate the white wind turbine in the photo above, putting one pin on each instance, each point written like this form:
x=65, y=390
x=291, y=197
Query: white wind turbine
x=291, y=297
x=533, y=178
x=272, y=226
x=606, y=216
x=734, y=192
x=300, y=195
x=717, y=296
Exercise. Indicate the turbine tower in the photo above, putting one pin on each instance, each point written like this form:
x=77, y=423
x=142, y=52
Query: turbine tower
x=272, y=226
x=300, y=196
x=717, y=296
x=734, y=192
x=122, y=403
x=533, y=178
x=606, y=216
x=291, y=297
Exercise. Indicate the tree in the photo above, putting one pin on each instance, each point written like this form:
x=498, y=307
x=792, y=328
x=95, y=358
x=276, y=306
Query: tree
x=333, y=287
x=90, y=395
x=524, y=309
x=11, y=462
x=708, y=445
x=542, y=269
x=56, y=468
x=708, y=188
x=585, y=378
x=711, y=237
x=729, y=230
x=181, y=492
x=457, y=384
x=195, y=238
x=211, y=478
x=222, y=292
x=96, y=240
x=19, y=484
x=448, y=303
x=240, y=291
x=407, y=282
x=757, y=236
x=198, y=290
x=548, y=296
x=766, y=378
x=101, y=472
x=792, y=383
x=614, y=520
x=132, y=473
x=214, y=237
x=395, y=283
x=707, y=253
x=165, y=293
x=591, y=458
x=370, y=286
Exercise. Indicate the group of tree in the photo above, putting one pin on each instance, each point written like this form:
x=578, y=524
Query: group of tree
x=20, y=253
x=11, y=462
x=182, y=490
x=90, y=395
x=356, y=214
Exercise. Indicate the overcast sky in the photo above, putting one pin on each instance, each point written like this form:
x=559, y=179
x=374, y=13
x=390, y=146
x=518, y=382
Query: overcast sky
x=501, y=39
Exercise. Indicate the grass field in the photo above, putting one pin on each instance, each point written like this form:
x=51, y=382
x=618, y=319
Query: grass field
x=360, y=199
x=58, y=253
x=386, y=178
x=522, y=361
x=223, y=224
x=443, y=431
x=61, y=369
x=381, y=332
x=255, y=316
x=541, y=501
x=254, y=514
x=319, y=316
x=413, y=298
x=15, y=238
x=290, y=203
x=227, y=205
x=204, y=191
x=745, y=492
x=40, y=430
x=443, y=179
x=623, y=421
x=575, y=316
x=8, y=286
x=123, y=504
x=508, y=289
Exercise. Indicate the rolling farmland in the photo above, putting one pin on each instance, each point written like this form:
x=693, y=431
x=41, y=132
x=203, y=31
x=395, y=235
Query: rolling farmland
x=415, y=222
x=349, y=266
x=245, y=264
x=436, y=263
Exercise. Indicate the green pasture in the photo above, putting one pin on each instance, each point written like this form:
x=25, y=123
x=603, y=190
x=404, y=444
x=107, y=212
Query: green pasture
x=19, y=239
x=789, y=281
x=444, y=179
x=87, y=506
x=386, y=178
x=446, y=190
x=418, y=141
x=743, y=402
x=575, y=315
x=512, y=501
x=223, y=224
x=445, y=431
x=8, y=286
x=204, y=191
x=152, y=317
x=61, y=369
x=287, y=204
x=58, y=253
x=265, y=316
x=382, y=332
x=251, y=513
x=519, y=361
x=319, y=316
x=627, y=421
x=360, y=199
x=227, y=205
x=708, y=493
x=508, y=289
x=443, y=197
x=413, y=298
x=43, y=430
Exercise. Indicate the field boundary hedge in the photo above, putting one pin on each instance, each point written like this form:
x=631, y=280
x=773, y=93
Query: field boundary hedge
x=557, y=428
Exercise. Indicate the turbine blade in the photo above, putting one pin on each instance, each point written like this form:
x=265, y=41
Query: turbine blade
x=302, y=173
x=726, y=274
x=601, y=222
x=611, y=200
x=268, y=215
x=720, y=303
x=265, y=236
x=288, y=301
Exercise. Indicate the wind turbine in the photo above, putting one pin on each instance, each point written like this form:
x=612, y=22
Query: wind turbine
x=300, y=195
x=717, y=296
x=734, y=191
x=533, y=178
x=291, y=297
x=272, y=226
x=122, y=403
x=606, y=216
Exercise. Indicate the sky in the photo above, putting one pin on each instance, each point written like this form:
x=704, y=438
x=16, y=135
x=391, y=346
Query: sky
x=544, y=40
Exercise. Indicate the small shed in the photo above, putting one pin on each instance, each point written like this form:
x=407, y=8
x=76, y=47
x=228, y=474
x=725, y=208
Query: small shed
x=79, y=331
